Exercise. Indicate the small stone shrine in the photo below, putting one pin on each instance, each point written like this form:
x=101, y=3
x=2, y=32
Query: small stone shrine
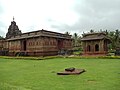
x=95, y=43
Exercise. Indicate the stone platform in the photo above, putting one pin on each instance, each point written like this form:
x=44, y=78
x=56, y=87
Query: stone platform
x=71, y=71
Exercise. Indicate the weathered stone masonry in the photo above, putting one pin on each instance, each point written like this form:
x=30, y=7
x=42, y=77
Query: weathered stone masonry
x=41, y=42
x=95, y=44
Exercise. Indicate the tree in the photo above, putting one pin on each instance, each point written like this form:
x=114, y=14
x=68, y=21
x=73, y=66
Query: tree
x=115, y=39
x=67, y=33
x=91, y=31
x=75, y=38
x=1, y=37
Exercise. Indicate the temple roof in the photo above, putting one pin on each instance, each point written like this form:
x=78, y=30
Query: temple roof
x=39, y=33
x=94, y=36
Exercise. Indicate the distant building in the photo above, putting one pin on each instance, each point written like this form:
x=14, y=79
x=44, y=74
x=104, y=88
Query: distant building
x=95, y=44
x=36, y=43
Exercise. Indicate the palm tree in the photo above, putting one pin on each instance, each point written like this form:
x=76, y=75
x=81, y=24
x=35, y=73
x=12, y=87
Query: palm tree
x=115, y=38
x=91, y=31
x=75, y=38
x=67, y=33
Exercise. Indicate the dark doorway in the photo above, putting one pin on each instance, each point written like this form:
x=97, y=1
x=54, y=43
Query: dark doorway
x=96, y=47
x=105, y=45
x=88, y=48
x=60, y=44
x=24, y=45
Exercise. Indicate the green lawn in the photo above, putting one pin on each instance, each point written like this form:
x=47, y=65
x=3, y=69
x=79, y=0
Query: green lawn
x=101, y=74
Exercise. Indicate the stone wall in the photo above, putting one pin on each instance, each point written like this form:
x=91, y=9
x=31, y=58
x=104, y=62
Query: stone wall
x=39, y=46
x=94, y=47
x=14, y=46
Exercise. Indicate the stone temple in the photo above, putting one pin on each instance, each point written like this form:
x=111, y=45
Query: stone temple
x=95, y=43
x=35, y=43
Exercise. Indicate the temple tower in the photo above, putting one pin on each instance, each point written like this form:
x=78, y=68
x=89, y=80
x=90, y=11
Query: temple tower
x=13, y=30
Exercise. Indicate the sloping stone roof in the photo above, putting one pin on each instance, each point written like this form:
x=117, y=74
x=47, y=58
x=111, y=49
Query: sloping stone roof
x=94, y=36
x=40, y=33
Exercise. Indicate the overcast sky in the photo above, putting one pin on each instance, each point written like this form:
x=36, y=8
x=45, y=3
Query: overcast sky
x=60, y=15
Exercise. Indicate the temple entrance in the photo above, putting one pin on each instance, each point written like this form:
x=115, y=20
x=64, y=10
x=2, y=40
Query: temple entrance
x=88, y=48
x=60, y=44
x=24, y=45
x=60, y=47
x=96, y=47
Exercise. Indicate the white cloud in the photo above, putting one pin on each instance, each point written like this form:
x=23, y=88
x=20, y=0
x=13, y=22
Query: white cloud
x=60, y=15
x=35, y=13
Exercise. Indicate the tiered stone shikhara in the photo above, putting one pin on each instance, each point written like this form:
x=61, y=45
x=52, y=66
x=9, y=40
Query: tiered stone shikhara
x=13, y=30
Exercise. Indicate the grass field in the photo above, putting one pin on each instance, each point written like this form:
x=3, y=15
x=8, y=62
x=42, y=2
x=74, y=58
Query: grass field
x=101, y=74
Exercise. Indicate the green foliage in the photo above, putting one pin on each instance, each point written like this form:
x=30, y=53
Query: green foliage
x=30, y=58
x=76, y=53
x=79, y=52
x=1, y=37
x=18, y=74
x=95, y=57
x=76, y=40
x=115, y=39
x=55, y=57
